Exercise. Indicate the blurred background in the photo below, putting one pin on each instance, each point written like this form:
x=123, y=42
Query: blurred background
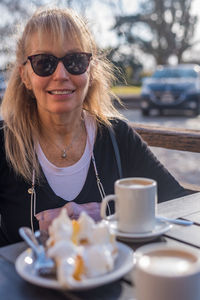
x=141, y=38
x=137, y=35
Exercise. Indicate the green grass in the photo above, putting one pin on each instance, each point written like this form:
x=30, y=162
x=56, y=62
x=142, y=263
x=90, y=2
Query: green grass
x=126, y=90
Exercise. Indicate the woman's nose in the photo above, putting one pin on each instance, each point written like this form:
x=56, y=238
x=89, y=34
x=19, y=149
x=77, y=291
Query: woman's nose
x=60, y=72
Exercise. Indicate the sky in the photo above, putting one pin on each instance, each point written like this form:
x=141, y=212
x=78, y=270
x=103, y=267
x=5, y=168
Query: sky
x=102, y=21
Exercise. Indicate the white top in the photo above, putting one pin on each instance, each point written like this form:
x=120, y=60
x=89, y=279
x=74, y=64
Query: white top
x=67, y=182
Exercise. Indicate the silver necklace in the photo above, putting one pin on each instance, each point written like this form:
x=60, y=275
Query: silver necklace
x=64, y=151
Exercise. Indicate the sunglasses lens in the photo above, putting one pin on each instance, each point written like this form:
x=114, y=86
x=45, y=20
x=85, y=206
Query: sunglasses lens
x=43, y=64
x=77, y=63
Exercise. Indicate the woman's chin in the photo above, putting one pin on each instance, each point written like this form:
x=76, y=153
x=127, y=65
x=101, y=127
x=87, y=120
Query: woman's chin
x=63, y=110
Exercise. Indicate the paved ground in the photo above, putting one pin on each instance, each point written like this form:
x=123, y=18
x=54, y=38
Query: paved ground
x=184, y=166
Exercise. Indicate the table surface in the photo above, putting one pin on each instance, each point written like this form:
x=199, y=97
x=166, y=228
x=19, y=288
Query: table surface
x=12, y=286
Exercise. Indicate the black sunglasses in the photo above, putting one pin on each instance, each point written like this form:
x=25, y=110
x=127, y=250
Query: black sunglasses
x=46, y=64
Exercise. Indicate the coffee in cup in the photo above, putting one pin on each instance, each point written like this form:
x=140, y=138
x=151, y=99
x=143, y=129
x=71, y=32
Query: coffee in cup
x=135, y=204
x=164, y=272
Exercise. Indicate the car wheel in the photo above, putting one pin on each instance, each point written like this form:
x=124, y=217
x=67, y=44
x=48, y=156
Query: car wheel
x=145, y=112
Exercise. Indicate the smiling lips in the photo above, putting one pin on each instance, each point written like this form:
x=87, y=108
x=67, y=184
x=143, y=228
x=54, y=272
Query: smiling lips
x=61, y=92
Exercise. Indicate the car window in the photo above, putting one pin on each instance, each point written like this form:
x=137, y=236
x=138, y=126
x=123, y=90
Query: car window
x=175, y=73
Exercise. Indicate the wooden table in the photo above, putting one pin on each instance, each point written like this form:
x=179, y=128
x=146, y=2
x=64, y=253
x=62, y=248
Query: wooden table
x=14, y=287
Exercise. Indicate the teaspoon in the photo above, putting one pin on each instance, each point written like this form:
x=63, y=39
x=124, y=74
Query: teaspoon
x=175, y=221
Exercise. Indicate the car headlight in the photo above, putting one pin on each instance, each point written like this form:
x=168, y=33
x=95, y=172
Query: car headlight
x=146, y=89
x=192, y=91
x=192, y=105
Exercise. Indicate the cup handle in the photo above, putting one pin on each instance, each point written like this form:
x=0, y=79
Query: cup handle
x=104, y=206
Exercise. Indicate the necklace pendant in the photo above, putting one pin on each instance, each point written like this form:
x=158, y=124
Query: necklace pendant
x=64, y=154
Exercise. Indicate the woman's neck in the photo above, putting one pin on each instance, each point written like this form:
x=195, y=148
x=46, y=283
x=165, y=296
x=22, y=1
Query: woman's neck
x=61, y=126
x=63, y=143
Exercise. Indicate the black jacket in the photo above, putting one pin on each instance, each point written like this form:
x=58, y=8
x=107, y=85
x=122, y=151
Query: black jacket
x=137, y=161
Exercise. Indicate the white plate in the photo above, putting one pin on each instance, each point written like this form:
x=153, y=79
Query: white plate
x=160, y=228
x=123, y=264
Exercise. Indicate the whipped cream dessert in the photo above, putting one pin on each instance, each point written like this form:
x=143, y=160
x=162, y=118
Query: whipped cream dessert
x=81, y=248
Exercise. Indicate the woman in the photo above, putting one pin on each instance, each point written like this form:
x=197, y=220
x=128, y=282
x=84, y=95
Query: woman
x=55, y=145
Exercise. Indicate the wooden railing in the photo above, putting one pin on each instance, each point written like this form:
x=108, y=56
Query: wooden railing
x=170, y=138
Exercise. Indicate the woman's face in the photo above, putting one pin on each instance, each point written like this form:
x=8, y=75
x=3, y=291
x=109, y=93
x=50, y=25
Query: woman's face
x=61, y=92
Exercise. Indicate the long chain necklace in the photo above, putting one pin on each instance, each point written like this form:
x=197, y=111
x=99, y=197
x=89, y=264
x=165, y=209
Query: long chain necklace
x=32, y=191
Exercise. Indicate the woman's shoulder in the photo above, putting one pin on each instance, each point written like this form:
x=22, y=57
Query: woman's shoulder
x=122, y=127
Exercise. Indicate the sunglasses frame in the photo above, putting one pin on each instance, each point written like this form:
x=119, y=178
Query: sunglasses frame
x=57, y=60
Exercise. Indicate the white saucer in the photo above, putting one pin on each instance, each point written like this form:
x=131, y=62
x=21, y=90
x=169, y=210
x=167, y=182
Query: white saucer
x=123, y=264
x=160, y=228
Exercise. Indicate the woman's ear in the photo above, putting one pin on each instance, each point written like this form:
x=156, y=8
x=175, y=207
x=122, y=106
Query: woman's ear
x=24, y=77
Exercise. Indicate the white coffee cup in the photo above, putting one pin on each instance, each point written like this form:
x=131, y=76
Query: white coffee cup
x=135, y=204
x=166, y=273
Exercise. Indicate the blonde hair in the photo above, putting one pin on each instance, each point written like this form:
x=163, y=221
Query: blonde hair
x=19, y=109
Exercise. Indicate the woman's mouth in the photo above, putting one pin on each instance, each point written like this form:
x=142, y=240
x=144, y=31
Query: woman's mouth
x=61, y=92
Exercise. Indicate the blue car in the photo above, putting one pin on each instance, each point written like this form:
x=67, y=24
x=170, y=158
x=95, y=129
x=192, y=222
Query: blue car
x=2, y=85
x=171, y=88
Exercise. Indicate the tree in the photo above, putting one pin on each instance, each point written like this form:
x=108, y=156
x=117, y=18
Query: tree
x=127, y=67
x=162, y=28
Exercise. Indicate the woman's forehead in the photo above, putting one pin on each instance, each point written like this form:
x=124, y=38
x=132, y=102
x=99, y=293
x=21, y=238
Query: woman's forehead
x=47, y=43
